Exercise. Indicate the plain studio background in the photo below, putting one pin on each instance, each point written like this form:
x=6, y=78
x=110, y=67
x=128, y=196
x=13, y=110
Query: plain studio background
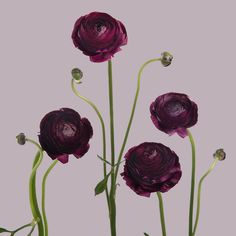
x=37, y=56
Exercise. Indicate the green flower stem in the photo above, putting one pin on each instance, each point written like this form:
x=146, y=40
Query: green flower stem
x=32, y=224
x=43, y=196
x=132, y=112
x=22, y=227
x=32, y=189
x=192, y=183
x=199, y=194
x=31, y=231
x=113, y=184
x=162, y=216
x=103, y=133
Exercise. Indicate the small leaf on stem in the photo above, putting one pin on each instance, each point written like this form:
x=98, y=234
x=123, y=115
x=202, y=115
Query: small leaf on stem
x=101, y=186
x=102, y=159
x=2, y=230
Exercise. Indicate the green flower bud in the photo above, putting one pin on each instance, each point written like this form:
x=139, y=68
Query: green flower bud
x=21, y=138
x=220, y=154
x=166, y=58
x=77, y=74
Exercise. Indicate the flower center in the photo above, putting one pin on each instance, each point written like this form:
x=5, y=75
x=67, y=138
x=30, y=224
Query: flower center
x=174, y=108
x=68, y=130
x=100, y=28
x=150, y=154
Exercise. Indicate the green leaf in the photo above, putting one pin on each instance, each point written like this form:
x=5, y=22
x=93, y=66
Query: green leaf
x=107, y=162
x=118, y=163
x=146, y=234
x=2, y=230
x=101, y=186
x=102, y=159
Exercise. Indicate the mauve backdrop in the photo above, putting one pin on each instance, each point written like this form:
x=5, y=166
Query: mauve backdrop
x=37, y=55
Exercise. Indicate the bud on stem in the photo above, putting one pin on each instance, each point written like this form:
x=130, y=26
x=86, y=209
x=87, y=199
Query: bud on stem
x=166, y=58
x=21, y=138
x=77, y=74
x=220, y=154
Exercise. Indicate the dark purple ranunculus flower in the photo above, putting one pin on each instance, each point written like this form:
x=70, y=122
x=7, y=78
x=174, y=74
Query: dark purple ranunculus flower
x=99, y=36
x=151, y=167
x=174, y=112
x=64, y=132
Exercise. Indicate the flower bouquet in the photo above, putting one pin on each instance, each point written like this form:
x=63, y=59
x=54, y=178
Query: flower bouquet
x=149, y=167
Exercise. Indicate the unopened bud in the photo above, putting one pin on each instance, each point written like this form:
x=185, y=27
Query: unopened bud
x=220, y=154
x=21, y=138
x=166, y=58
x=77, y=74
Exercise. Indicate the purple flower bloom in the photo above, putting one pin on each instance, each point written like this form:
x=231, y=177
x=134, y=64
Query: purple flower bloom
x=99, y=36
x=64, y=132
x=174, y=112
x=151, y=167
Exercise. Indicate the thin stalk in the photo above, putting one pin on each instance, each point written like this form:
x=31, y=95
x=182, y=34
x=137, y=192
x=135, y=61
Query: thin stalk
x=113, y=184
x=162, y=216
x=132, y=113
x=43, y=196
x=32, y=224
x=31, y=231
x=32, y=189
x=111, y=112
x=191, y=202
x=199, y=194
x=22, y=227
x=103, y=132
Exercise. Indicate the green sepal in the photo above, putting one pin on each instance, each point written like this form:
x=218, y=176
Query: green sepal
x=146, y=234
x=101, y=186
x=2, y=230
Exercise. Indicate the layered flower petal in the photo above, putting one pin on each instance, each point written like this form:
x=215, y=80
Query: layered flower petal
x=174, y=113
x=64, y=132
x=99, y=36
x=151, y=167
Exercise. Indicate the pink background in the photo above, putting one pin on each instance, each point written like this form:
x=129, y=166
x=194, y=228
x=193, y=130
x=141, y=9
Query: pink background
x=37, y=56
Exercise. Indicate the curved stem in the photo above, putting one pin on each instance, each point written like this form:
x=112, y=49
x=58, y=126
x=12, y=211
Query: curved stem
x=31, y=231
x=113, y=184
x=43, y=196
x=192, y=183
x=103, y=132
x=22, y=227
x=32, y=189
x=132, y=112
x=32, y=224
x=199, y=194
x=162, y=216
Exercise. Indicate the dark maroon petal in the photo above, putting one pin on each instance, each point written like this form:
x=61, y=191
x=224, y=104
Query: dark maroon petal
x=151, y=167
x=103, y=56
x=134, y=186
x=174, y=113
x=86, y=131
x=182, y=132
x=46, y=134
x=63, y=132
x=99, y=36
x=63, y=158
x=81, y=151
